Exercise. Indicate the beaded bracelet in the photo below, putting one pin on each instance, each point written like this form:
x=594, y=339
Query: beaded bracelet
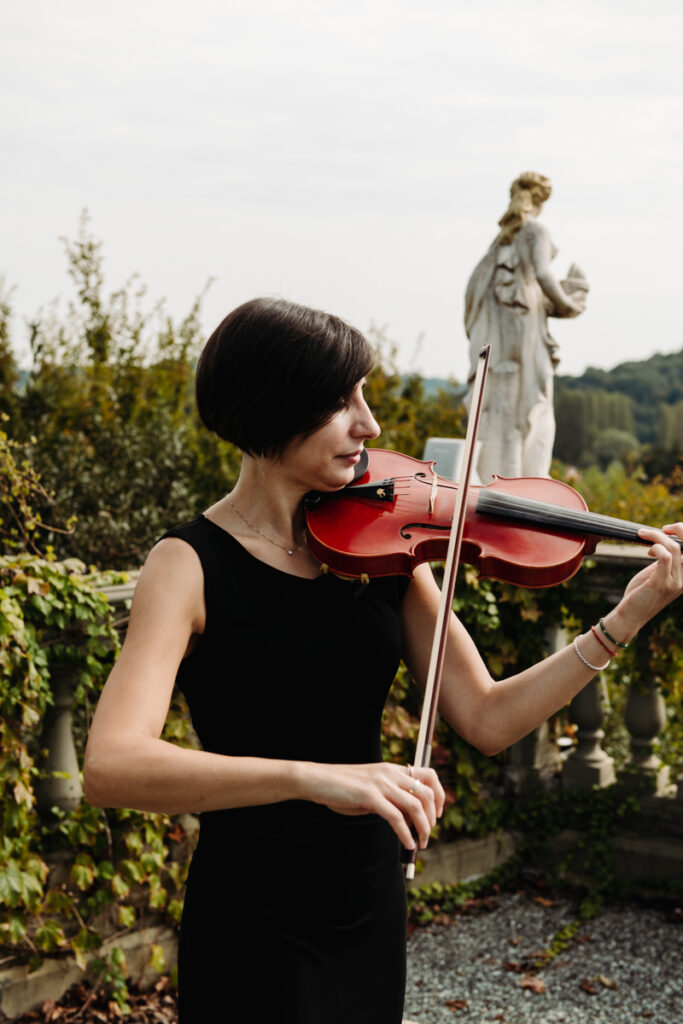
x=595, y=633
x=593, y=668
x=610, y=637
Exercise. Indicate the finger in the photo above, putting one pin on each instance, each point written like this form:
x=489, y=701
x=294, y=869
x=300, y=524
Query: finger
x=415, y=814
x=400, y=825
x=665, y=548
x=667, y=536
x=431, y=779
x=426, y=795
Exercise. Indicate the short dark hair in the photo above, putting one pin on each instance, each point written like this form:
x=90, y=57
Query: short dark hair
x=273, y=370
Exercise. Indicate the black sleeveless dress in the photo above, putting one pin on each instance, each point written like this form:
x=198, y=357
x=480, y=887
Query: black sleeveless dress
x=293, y=914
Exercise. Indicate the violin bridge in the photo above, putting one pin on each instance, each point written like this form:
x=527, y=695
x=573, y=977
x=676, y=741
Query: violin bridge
x=433, y=492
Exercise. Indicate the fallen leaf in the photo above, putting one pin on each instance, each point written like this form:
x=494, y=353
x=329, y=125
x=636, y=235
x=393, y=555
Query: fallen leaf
x=442, y=918
x=589, y=987
x=177, y=833
x=48, y=1008
x=512, y=965
x=456, y=1004
x=543, y=901
x=533, y=983
x=515, y=940
x=647, y=1013
x=607, y=982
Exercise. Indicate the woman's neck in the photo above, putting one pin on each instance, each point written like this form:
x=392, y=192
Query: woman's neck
x=264, y=511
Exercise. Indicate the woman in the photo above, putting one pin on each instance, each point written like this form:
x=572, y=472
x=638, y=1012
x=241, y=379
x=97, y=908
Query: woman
x=295, y=900
x=508, y=300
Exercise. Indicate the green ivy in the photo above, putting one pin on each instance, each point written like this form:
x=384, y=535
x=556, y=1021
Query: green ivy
x=66, y=878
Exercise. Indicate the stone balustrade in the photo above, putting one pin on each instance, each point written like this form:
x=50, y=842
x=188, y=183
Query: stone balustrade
x=588, y=764
x=535, y=757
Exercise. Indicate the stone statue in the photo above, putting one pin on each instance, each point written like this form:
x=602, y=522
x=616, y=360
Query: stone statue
x=509, y=298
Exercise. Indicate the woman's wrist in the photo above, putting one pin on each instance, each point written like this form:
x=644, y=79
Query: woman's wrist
x=301, y=779
x=603, y=641
x=620, y=626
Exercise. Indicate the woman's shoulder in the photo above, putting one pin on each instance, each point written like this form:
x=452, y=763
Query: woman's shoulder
x=172, y=556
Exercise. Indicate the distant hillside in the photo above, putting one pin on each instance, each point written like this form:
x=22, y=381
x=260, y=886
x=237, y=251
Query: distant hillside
x=604, y=413
x=432, y=386
x=649, y=384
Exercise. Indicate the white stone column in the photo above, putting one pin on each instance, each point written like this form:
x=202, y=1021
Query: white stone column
x=61, y=785
x=645, y=718
x=588, y=765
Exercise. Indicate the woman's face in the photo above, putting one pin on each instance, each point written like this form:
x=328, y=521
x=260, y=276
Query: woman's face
x=325, y=460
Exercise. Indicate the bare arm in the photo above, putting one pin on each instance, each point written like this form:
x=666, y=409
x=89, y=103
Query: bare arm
x=564, y=305
x=493, y=714
x=127, y=764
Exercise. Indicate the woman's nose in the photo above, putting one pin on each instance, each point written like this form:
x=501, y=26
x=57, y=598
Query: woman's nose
x=367, y=424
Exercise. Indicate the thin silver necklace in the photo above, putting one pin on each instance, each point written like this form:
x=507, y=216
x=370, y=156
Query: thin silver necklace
x=283, y=547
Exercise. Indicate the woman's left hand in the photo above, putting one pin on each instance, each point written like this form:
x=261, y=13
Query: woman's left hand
x=656, y=586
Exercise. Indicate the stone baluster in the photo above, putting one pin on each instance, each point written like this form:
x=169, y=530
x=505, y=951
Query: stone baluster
x=61, y=785
x=645, y=718
x=588, y=765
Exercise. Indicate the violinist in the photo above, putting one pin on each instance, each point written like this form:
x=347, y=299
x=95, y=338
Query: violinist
x=295, y=903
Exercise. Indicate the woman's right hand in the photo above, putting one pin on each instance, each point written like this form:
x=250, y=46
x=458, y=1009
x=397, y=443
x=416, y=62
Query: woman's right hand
x=407, y=798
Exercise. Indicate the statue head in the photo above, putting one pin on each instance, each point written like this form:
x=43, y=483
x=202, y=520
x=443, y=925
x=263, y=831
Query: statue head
x=528, y=192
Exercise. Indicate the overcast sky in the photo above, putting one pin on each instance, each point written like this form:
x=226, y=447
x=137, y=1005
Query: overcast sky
x=350, y=155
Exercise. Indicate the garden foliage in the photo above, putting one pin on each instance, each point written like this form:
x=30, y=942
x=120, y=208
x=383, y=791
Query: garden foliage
x=103, y=451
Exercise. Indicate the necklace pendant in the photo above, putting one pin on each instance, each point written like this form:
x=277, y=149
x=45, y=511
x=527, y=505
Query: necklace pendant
x=291, y=552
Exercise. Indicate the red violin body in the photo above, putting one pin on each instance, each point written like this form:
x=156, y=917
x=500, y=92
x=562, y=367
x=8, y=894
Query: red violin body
x=533, y=532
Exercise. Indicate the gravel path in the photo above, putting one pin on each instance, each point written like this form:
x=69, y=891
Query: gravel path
x=629, y=958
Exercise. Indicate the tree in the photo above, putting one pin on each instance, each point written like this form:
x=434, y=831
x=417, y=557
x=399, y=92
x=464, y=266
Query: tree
x=107, y=413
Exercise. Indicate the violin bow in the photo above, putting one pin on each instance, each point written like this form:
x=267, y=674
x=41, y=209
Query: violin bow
x=423, y=750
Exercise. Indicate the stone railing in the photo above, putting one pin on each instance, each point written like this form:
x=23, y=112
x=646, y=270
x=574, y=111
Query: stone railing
x=587, y=764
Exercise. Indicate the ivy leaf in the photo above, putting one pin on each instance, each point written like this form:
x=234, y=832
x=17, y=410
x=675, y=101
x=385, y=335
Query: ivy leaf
x=105, y=870
x=133, y=870
x=82, y=876
x=49, y=936
x=157, y=960
x=23, y=795
x=175, y=910
x=85, y=940
x=157, y=898
x=37, y=586
x=11, y=885
x=16, y=928
x=119, y=886
x=126, y=917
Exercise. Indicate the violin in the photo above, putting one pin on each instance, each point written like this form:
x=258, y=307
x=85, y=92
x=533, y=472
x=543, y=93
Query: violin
x=397, y=513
